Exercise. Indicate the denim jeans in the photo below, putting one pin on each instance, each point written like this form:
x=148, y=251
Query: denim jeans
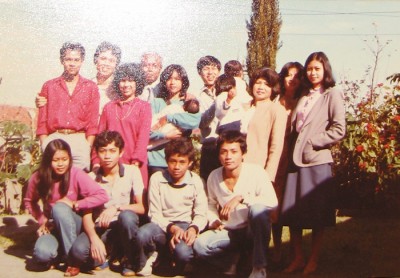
x=152, y=238
x=67, y=225
x=120, y=234
x=221, y=244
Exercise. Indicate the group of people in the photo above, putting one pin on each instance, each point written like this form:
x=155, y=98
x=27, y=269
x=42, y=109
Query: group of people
x=115, y=178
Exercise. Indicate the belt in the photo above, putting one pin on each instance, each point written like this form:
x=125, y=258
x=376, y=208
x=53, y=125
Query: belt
x=68, y=131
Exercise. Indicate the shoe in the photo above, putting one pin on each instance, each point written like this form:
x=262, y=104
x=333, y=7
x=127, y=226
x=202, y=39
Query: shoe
x=294, y=267
x=231, y=270
x=258, y=273
x=103, y=266
x=71, y=271
x=127, y=272
x=148, y=268
x=310, y=268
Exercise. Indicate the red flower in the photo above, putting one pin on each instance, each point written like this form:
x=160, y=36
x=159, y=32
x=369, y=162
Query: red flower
x=380, y=85
x=362, y=164
x=396, y=118
x=386, y=146
x=360, y=148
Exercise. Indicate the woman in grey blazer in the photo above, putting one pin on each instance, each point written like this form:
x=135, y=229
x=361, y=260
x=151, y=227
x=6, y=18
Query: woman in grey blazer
x=317, y=123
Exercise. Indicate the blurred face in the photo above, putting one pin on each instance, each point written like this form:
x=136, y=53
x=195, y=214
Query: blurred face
x=72, y=62
x=209, y=74
x=127, y=88
x=315, y=73
x=230, y=156
x=292, y=80
x=151, y=65
x=106, y=63
x=261, y=90
x=60, y=162
x=109, y=156
x=177, y=166
x=174, y=84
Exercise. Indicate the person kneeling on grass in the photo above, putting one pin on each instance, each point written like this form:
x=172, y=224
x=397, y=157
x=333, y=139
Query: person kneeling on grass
x=116, y=223
x=177, y=209
x=240, y=198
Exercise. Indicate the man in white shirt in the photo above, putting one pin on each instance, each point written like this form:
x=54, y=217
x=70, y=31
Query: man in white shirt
x=151, y=64
x=240, y=198
x=208, y=68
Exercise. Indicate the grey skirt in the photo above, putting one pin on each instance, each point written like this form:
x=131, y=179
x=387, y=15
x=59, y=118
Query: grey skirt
x=308, y=199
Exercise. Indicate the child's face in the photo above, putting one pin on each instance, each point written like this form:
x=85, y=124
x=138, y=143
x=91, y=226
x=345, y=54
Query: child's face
x=232, y=93
x=109, y=156
x=60, y=162
x=177, y=166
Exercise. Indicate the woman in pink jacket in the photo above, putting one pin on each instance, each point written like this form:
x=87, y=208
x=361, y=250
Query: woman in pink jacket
x=64, y=191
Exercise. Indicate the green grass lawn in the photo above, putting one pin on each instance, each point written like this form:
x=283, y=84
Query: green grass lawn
x=355, y=247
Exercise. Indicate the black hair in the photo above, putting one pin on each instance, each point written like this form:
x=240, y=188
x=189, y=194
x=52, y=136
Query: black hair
x=107, y=137
x=232, y=136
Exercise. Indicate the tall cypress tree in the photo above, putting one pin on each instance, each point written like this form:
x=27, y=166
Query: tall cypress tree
x=263, y=31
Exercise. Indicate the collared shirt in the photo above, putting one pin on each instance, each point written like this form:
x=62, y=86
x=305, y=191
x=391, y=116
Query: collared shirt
x=132, y=120
x=169, y=203
x=82, y=189
x=78, y=111
x=305, y=105
x=150, y=92
x=128, y=184
x=106, y=91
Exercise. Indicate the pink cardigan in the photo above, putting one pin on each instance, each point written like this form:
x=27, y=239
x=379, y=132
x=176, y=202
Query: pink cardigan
x=82, y=189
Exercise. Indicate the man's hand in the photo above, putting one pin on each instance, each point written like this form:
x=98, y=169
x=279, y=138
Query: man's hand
x=98, y=250
x=106, y=216
x=177, y=235
x=216, y=225
x=229, y=207
x=40, y=101
x=190, y=236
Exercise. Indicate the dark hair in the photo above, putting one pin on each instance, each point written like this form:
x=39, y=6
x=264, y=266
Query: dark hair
x=132, y=72
x=224, y=83
x=191, y=106
x=328, y=80
x=232, y=136
x=268, y=75
x=284, y=73
x=107, y=137
x=46, y=174
x=182, y=146
x=105, y=46
x=208, y=61
x=71, y=46
x=233, y=68
x=167, y=73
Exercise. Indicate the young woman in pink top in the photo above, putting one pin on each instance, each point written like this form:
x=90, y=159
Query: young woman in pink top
x=64, y=191
x=130, y=116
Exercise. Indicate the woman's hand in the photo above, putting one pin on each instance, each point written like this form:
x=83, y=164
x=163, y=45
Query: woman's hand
x=44, y=229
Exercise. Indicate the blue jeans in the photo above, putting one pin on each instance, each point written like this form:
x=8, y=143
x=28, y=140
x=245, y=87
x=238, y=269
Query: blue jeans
x=67, y=225
x=151, y=237
x=121, y=233
x=222, y=244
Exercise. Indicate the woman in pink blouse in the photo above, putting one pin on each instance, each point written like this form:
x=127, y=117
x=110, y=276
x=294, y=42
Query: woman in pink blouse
x=130, y=116
x=64, y=190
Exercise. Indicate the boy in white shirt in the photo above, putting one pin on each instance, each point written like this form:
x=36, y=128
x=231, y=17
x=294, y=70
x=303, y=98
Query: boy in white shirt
x=177, y=209
x=240, y=198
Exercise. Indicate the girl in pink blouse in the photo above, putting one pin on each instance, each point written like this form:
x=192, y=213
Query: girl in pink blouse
x=130, y=116
x=64, y=190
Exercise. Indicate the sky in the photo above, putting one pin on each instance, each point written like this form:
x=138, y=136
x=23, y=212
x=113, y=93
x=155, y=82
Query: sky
x=182, y=31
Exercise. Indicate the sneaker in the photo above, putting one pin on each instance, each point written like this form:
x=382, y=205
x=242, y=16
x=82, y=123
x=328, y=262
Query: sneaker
x=127, y=272
x=258, y=273
x=148, y=268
